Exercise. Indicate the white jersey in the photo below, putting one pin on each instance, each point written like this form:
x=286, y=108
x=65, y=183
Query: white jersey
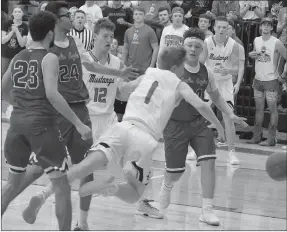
x=102, y=88
x=218, y=55
x=265, y=66
x=151, y=104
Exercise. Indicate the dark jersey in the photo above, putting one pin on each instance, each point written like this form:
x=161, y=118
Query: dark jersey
x=32, y=111
x=71, y=84
x=198, y=82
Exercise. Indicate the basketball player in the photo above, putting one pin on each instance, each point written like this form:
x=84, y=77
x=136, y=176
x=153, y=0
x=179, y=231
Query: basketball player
x=73, y=89
x=186, y=126
x=220, y=55
x=32, y=83
x=137, y=136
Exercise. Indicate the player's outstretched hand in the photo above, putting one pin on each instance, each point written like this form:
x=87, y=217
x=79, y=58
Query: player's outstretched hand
x=130, y=73
x=239, y=120
x=85, y=131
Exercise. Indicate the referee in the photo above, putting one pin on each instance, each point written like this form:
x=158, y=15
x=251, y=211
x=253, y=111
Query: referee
x=79, y=30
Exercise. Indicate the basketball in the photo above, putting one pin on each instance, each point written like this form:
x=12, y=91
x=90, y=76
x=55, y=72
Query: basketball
x=276, y=166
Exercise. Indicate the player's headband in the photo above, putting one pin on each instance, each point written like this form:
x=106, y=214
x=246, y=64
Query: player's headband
x=193, y=39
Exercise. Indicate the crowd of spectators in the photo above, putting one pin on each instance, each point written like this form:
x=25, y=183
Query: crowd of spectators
x=139, y=35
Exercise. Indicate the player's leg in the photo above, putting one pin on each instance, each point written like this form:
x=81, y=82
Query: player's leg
x=226, y=90
x=204, y=146
x=176, y=139
x=51, y=155
x=77, y=148
x=271, y=90
x=17, y=152
x=259, y=97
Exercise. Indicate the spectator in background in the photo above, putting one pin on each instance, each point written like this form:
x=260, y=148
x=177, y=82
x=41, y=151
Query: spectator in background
x=101, y=4
x=151, y=17
x=265, y=85
x=282, y=33
x=115, y=48
x=251, y=11
x=228, y=9
x=14, y=37
x=193, y=8
x=42, y=6
x=92, y=10
x=140, y=50
x=204, y=23
x=121, y=17
x=164, y=16
x=85, y=35
x=140, y=44
x=237, y=79
x=172, y=35
x=72, y=11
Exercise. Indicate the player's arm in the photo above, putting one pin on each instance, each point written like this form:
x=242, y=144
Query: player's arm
x=280, y=48
x=125, y=73
x=204, y=53
x=219, y=101
x=203, y=108
x=233, y=64
x=241, y=64
x=7, y=84
x=50, y=69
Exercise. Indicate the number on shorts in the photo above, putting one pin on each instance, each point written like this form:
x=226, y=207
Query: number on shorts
x=150, y=92
x=100, y=95
x=26, y=75
x=200, y=93
x=66, y=75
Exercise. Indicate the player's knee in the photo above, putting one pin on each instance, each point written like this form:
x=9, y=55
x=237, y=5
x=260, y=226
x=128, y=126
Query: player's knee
x=208, y=164
x=36, y=171
x=61, y=186
x=172, y=177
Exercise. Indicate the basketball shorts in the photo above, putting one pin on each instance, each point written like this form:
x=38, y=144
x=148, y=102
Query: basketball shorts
x=125, y=141
x=76, y=146
x=49, y=151
x=100, y=123
x=178, y=135
x=120, y=106
x=225, y=88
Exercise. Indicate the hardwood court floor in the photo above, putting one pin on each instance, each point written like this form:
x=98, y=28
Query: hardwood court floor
x=245, y=199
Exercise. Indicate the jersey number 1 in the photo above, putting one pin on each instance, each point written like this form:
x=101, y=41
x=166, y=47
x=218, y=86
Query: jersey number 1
x=150, y=92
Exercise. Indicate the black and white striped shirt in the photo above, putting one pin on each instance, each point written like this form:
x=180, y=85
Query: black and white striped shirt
x=85, y=35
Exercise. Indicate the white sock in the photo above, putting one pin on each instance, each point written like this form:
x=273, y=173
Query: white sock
x=46, y=192
x=206, y=202
x=83, y=218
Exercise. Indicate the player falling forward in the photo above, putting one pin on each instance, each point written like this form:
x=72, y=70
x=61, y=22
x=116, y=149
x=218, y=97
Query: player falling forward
x=186, y=126
x=136, y=138
x=32, y=83
x=73, y=89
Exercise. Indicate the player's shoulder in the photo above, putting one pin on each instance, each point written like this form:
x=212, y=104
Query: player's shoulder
x=114, y=58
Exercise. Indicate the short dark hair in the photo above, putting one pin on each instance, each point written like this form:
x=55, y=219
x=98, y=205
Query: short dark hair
x=80, y=11
x=231, y=23
x=40, y=24
x=194, y=32
x=221, y=18
x=163, y=8
x=140, y=9
x=54, y=6
x=205, y=16
x=104, y=23
x=171, y=56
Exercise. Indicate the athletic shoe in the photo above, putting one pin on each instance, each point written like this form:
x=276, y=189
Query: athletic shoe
x=81, y=228
x=30, y=213
x=208, y=216
x=232, y=159
x=191, y=155
x=146, y=209
x=164, y=196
